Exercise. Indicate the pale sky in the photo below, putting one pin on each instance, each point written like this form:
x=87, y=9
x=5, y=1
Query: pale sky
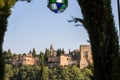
x=33, y=25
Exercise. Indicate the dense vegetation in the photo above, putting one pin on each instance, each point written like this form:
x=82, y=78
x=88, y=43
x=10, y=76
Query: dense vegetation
x=41, y=71
x=5, y=11
x=99, y=23
x=57, y=73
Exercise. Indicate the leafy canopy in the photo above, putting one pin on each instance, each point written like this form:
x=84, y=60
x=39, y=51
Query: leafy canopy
x=9, y=3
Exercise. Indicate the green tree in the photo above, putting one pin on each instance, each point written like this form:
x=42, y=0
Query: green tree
x=8, y=72
x=99, y=23
x=23, y=75
x=47, y=54
x=5, y=11
x=44, y=73
x=14, y=55
x=70, y=72
x=53, y=74
x=44, y=70
x=41, y=57
x=75, y=73
x=88, y=73
x=9, y=53
x=65, y=75
x=28, y=72
x=59, y=52
x=4, y=53
x=15, y=73
x=42, y=77
x=34, y=52
x=63, y=51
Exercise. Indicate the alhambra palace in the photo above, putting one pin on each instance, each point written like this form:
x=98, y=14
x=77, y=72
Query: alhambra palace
x=81, y=57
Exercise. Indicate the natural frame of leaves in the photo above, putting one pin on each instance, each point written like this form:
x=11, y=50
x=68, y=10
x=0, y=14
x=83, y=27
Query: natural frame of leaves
x=5, y=11
x=102, y=36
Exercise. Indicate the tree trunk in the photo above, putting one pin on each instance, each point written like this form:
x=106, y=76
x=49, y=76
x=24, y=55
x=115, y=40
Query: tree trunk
x=99, y=23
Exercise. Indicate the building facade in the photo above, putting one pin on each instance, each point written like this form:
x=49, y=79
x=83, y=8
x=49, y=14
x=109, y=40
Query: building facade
x=24, y=60
x=85, y=56
x=28, y=59
x=81, y=57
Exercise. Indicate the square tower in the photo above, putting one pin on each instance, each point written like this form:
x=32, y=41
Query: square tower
x=85, y=56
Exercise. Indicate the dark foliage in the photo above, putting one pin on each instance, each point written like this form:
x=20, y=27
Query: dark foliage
x=99, y=23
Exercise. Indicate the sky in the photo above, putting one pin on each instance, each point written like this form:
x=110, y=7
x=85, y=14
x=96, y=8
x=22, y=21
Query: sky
x=33, y=25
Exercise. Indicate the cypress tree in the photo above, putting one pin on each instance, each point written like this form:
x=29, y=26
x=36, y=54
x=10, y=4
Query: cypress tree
x=42, y=65
x=34, y=53
x=47, y=54
x=99, y=23
x=5, y=6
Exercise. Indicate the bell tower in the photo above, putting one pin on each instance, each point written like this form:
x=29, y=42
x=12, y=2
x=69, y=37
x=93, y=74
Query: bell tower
x=51, y=50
